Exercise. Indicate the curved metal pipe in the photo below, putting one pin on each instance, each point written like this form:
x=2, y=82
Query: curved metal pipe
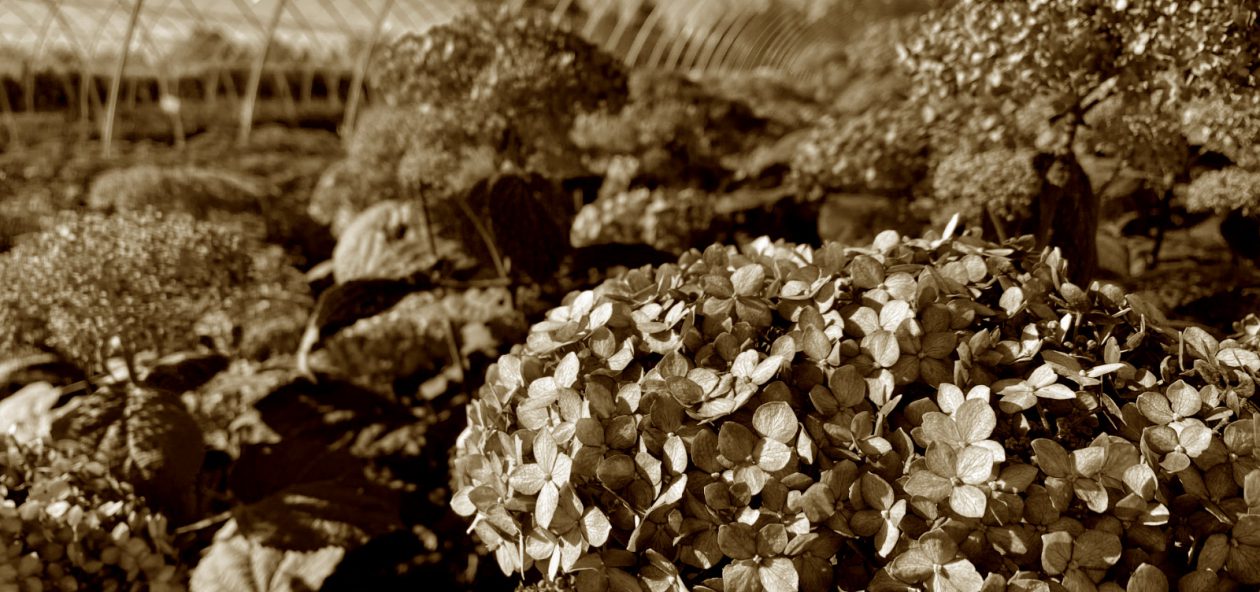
x=706, y=56
x=710, y=39
x=676, y=53
x=640, y=39
x=786, y=43
x=658, y=52
x=724, y=47
x=754, y=48
x=624, y=19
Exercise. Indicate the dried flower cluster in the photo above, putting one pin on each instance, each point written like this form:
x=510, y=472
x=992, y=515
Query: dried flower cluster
x=1000, y=182
x=1226, y=190
x=67, y=524
x=144, y=278
x=668, y=220
x=883, y=151
x=918, y=414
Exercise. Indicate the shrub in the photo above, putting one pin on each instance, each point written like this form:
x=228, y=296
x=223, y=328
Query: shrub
x=1224, y=191
x=200, y=192
x=143, y=278
x=516, y=64
x=917, y=414
x=410, y=339
x=883, y=150
x=508, y=77
x=665, y=219
x=1001, y=182
x=67, y=524
x=677, y=130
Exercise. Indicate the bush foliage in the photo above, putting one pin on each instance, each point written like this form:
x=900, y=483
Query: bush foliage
x=916, y=414
x=140, y=279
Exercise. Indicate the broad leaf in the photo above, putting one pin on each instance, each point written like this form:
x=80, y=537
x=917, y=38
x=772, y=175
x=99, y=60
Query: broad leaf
x=241, y=565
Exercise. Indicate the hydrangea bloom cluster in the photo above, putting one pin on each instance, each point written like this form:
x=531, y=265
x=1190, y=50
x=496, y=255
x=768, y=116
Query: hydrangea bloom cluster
x=66, y=524
x=1227, y=190
x=917, y=414
x=142, y=278
x=884, y=150
x=1001, y=182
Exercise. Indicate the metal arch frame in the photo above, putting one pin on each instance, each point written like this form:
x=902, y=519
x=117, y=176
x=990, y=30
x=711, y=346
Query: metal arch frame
x=561, y=9
x=624, y=18
x=776, y=24
x=723, y=48
x=696, y=45
x=740, y=47
x=676, y=53
x=640, y=38
x=730, y=19
x=781, y=46
x=115, y=84
x=348, y=121
x=659, y=50
x=593, y=19
x=255, y=75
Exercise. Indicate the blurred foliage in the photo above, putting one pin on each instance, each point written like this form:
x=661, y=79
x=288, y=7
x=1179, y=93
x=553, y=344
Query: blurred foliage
x=143, y=278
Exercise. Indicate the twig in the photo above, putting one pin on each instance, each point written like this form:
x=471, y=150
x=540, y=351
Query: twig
x=484, y=233
x=203, y=523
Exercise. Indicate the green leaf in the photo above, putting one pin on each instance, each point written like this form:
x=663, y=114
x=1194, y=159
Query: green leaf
x=778, y=575
x=239, y=564
x=313, y=515
x=147, y=437
x=776, y=420
x=737, y=540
